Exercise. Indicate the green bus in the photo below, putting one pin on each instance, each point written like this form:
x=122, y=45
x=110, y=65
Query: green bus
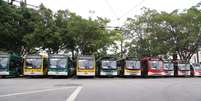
x=10, y=65
x=107, y=66
x=60, y=65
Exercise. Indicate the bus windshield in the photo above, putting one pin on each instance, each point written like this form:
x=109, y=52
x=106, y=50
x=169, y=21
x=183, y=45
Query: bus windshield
x=3, y=62
x=109, y=64
x=184, y=66
x=156, y=64
x=33, y=63
x=85, y=64
x=197, y=66
x=133, y=64
x=168, y=66
x=58, y=63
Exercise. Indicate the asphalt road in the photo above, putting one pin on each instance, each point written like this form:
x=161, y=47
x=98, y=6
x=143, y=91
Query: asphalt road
x=101, y=89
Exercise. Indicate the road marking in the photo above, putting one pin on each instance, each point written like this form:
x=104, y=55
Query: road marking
x=73, y=96
x=31, y=92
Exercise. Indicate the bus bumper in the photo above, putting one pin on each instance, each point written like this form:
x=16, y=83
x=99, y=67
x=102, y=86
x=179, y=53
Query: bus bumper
x=184, y=73
x=197, y=73
x=85, y=73
x=132, y=72
x=4, y=73
x=57, y=73
x=33, y=73
x=156, y=73
x=169, y=73
x=113, y=73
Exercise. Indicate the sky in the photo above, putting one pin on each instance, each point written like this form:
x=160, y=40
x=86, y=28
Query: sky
x=116, y=10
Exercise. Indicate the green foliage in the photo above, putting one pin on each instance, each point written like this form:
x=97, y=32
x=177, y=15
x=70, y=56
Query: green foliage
x=162, y=33
x=9, y=27
x=23, y=30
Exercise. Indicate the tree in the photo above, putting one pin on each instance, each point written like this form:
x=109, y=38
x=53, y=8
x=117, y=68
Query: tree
x=140, y=29
x=45, y=34
x=166, y=33
x=87, y=36
x=12, y=27
x=25, y=30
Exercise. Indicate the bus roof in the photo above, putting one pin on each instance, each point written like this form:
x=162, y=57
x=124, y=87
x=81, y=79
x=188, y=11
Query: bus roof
x=86, y=57
x=58, y=56
x=181, y=62
x=167, y=61
x=152, y=59
x=4, y=55
x=131, y=58
x=33, y=56
x=108, y=58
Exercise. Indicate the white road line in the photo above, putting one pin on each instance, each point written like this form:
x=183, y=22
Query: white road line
x=73, y=96
x=31, y=92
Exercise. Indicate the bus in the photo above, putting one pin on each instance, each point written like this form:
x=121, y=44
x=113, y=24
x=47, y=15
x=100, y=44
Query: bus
x=10, y=65
x=152, y=66
x=60, y=65
x=130, y=66
x=86, y=66
x=195, y=69
x=182, y=69
x=168, y=68
x=107, y=66
x=35, y=65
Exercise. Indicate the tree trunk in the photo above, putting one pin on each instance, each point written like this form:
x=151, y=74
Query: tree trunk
x=197, y=56
x=73, y=54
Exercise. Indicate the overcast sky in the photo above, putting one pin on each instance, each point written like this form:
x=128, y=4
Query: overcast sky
x=116, y=10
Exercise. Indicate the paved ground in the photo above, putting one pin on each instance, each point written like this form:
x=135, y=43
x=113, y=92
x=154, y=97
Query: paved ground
x=102, y=89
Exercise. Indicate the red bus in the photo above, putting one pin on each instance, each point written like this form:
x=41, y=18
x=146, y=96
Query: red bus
x=152, y=66
x=195, y=69
x=181, y=68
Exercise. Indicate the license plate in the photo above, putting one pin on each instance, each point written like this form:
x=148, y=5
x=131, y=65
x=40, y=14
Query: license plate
x=184, y=72
x=133, y=73
x=109, y=73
